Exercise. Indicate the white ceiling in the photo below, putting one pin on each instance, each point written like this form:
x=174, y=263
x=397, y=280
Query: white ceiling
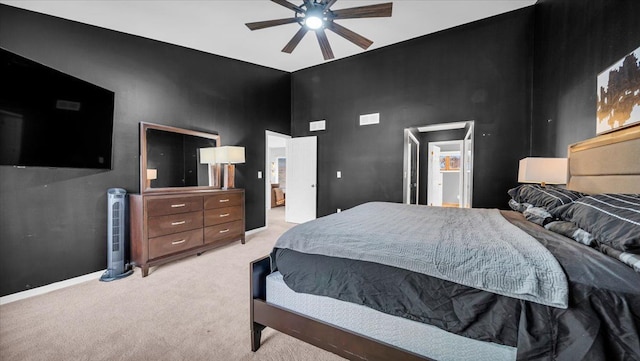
x=217, y=26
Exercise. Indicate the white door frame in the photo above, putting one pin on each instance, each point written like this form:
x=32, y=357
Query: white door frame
x=467, y=168
x=266, y=176
x=407, y=186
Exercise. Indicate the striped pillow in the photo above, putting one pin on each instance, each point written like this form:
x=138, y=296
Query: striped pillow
x=569, y=229
x=613, y=219
x=630, y=259
x=547, y=197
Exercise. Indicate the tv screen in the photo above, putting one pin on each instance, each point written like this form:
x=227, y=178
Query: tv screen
x=51, y=119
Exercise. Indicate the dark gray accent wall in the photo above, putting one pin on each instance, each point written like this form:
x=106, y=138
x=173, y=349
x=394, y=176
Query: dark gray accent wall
x=479, y=71
x=53, y=223
x=575, y=41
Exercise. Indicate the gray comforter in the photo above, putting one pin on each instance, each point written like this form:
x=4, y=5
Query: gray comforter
x=473, y=247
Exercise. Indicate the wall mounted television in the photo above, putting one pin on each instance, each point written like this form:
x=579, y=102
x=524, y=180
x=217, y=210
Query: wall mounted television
x=51, y=119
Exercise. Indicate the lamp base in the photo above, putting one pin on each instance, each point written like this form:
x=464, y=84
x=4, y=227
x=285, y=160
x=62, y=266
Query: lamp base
x=229, y=176
x=214, y=175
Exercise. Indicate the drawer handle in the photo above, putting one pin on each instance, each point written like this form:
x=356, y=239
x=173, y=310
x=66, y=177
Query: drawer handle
x=223, y=200
x=178, y=205
x=178, y=242
x=224, y=215
x=225, y=230
x=178, y=223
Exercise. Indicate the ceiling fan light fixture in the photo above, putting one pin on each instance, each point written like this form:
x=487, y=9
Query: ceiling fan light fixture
x=313, y=22
x=316, y=15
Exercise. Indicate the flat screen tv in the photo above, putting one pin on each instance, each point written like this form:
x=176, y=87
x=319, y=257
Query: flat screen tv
x=51, y=119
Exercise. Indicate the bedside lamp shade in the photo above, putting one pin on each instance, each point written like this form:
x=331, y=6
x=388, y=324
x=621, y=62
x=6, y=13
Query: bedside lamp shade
x=229, y=155
x=208, y=155
x=543, y=170
x=151, y=175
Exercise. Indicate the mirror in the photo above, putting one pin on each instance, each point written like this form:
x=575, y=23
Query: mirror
x=170, y=159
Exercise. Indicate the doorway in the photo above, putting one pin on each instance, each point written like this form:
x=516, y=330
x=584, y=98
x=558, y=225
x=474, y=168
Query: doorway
x=443, y=164
x=275, y=175
x=290, y=179
x=444, y=185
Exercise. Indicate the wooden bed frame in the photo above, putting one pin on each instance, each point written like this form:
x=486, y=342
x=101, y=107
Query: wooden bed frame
x=334, y=339
x=607, y=163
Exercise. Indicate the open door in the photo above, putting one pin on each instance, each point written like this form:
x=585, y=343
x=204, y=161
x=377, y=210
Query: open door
x=434, y=178
x=302, y=159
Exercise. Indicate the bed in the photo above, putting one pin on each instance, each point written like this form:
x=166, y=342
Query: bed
x=583, y=302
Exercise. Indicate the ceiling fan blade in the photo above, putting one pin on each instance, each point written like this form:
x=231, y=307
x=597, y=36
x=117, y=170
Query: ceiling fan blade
x=357, y=39
x=329, y=3
x=369, y=11
x=288, y=5
x=269, y=23
x=327, y=53
x=295, y=40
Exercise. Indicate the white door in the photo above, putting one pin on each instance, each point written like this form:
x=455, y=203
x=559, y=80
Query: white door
x=434, y=179
x=302, y=162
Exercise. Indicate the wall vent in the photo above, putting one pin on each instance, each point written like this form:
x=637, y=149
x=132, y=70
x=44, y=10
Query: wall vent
x=317, y=125
x=368, y=119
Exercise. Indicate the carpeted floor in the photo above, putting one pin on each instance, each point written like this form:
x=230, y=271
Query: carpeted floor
x=193, y=309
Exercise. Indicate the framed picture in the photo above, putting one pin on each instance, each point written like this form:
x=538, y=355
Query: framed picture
x=454, y=162
x=619, y=94
x=443, y=162
x=449, y=162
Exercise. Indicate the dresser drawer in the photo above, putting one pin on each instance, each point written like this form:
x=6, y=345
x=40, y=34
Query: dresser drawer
x=223, y=231
x=222, y=215
x=164, y=206
x=174, y=223
x=222, y=200
x=165, y=245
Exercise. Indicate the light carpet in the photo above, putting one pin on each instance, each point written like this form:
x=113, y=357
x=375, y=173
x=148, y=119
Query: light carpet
x=196, y=308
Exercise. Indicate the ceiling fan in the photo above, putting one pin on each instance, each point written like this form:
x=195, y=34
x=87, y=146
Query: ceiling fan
x=316, y=15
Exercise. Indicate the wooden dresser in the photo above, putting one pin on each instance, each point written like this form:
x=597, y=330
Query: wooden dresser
x=172, y=225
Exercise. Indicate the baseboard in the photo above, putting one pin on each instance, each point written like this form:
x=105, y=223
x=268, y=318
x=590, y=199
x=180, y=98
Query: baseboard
x=72, y=281
x=50, y=287
x=255, y=230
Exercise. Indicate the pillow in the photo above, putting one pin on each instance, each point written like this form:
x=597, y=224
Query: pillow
x=519, y=207
x=613, y=219
x=569, y=229
x=537, y=215
x=630, y=259
x=548, y=197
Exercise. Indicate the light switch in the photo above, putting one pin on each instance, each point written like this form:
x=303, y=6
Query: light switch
x=259, y=174
x=339, y=174
x=339, y=210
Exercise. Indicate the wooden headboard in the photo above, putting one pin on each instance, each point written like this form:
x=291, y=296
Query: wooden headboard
x=609, y=163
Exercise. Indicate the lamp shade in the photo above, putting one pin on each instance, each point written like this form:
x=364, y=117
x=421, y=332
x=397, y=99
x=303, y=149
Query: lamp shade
x=152, y=174
x=229, y=154
x=208, y=155
x=543, y=170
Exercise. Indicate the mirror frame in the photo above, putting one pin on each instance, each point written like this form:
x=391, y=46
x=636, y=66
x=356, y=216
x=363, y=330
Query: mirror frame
x=145, y=187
